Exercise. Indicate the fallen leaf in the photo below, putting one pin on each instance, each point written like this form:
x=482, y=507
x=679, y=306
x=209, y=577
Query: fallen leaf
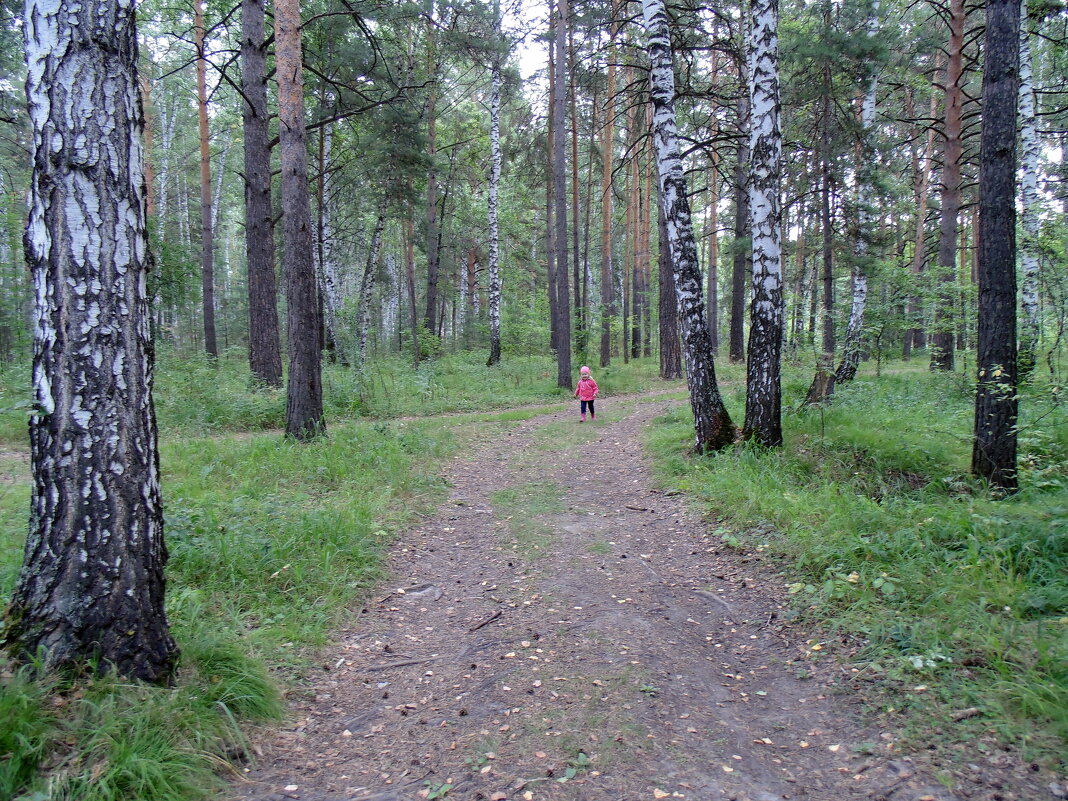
x=728, y=769
x=658, y=793
x=833, y=748
x=289, y=788
x=529, y=796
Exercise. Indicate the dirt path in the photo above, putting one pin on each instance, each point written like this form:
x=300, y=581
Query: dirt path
x=560, y=630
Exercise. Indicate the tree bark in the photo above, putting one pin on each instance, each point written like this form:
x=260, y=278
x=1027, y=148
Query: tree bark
x=1030, y=204
x=264, y=352
x=432, y=232
x=304, y=397
x=92, y=583
x=670, y=352
x=994, y=450
x=563, y=297
x=741, y=238
x=942, y=357
x=207, y=242
x=763, y=397
x=712, y=423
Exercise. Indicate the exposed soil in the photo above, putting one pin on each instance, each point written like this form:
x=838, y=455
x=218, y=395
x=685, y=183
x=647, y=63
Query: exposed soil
x=562, y=630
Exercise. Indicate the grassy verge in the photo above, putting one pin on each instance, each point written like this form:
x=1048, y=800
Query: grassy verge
x=269, y=542
x=195, y=396
x=890, y=542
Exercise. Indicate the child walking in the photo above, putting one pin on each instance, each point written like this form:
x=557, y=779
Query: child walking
x=586, y=392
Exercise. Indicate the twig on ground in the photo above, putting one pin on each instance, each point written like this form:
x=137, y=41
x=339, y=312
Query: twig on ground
x=487, y=621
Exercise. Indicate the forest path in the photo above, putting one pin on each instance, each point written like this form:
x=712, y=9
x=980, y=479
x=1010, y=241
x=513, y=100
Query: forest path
x=562, y=630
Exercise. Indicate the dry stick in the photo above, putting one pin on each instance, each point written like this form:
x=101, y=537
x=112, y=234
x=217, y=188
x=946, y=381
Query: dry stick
x=487, y=621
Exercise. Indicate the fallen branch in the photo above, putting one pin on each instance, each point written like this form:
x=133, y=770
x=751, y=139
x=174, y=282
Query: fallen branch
x=488, y=620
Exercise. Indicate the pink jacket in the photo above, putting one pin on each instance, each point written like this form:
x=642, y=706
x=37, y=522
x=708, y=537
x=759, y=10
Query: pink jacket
x=587, y=389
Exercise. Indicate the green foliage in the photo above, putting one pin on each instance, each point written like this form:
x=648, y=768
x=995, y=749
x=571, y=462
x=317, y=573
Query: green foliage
x=890, y=538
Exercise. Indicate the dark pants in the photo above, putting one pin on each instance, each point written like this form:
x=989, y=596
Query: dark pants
x=590, y=404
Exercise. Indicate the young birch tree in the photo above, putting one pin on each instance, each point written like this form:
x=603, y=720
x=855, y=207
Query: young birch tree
x=367, y=286
x=491, y=203
x=712, y=423
x=763, y=399
x=994, y=448
x=1029, y=203
x=847, y=367
x=91, y=586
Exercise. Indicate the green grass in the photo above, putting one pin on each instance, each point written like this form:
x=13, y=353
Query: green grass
x=269, y=542
x=196, y=396
x=887, y=537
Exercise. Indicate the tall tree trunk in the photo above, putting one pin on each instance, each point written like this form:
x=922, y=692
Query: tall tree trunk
x=670, y=352
x=409, y=269
x=304, y=397
x=741, y=238
x=942, y=340
x=207, y=242
x=647, y=249
x=826, y=188
x=576, y=229
x=712, y=423
x=367, y=286
x=491, y=211
x=264, y=352
x=563, y=298
x=916, y=337
x=91, y=585
x=994, y=450
x=607, y=152
x=432, y=233
x=847, y=368
x=1030, y=151
x=763, y=396
x=713, y=255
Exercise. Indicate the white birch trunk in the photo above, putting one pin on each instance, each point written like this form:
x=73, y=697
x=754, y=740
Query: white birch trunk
x=331, y=280
x=91, y=585
x=367, y=286
x=847, y=368
x=763, y=404
x=712, y=423
x=217, y=195
x=494, y=231
x=1030, y=149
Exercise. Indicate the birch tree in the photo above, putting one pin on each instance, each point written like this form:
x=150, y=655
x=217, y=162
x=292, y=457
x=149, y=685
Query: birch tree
x=994, y=448
x=712, y=423
x=91, y=585
x=367, y=286
x=847, y=367
x=1029, y=204
x=491, y=203
x=763, y=398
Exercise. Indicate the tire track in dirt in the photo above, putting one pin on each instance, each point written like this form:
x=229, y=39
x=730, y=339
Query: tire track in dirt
x=561, y=630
